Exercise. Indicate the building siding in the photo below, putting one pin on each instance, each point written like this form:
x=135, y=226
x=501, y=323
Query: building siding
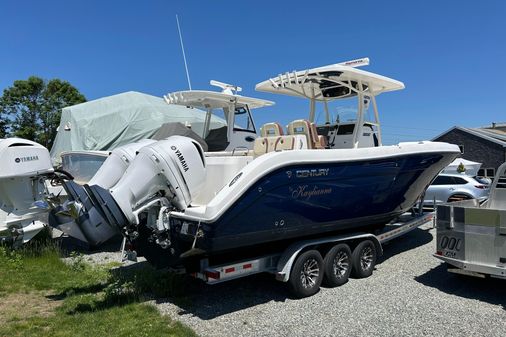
x=490, y=154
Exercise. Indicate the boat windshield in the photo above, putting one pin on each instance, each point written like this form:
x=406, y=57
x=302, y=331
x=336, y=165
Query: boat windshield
x=343, y=111
x=243, y=121
x=82, y=166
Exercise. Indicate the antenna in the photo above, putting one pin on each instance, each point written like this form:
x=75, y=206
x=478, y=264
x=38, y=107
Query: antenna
x=227, y=88
x=184, y=56
x=356, y=63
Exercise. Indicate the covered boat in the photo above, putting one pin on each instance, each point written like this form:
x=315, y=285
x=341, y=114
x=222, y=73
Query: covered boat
x=109, y=122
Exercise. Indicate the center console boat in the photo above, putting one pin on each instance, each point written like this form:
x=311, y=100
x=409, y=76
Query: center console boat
x=175, y=203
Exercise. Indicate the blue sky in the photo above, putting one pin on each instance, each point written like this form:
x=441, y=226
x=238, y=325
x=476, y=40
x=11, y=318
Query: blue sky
x=450, y=54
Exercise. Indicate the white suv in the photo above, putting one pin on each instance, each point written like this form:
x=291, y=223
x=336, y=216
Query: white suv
x=455, y=187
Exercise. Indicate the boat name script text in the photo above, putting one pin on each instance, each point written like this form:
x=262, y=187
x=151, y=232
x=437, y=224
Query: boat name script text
x=305, y=192
x=312, y=173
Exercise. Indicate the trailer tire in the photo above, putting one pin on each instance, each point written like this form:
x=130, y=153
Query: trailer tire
x=337, y=265
x=307, y=274
x=364, y=259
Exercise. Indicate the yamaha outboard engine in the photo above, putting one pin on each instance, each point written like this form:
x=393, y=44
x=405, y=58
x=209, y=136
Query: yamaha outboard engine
x=89, y=226
x=24, y=167
x=174, y=167
x=164, y=176
x=116, y=164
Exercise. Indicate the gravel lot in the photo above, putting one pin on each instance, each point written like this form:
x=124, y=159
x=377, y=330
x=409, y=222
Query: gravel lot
x=409, y=294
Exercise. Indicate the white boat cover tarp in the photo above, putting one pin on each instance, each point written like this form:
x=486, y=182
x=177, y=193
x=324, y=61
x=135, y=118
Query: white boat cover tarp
x=471, y=167
x=109, y=122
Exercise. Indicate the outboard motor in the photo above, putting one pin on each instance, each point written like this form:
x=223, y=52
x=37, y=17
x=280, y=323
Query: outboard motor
x=89, y=226
x=116, y=164
x=174, y=167
x=165, y=175
x=24, y=168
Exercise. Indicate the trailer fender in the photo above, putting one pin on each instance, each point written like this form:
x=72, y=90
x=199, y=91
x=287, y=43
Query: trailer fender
x=288, y=257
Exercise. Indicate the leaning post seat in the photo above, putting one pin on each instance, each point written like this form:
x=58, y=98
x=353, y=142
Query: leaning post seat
x=291, y=142
x=264, y=145
x=260, y=146
x=319, y=141
x=301, y=127
x=271, y=129
x=323, y=141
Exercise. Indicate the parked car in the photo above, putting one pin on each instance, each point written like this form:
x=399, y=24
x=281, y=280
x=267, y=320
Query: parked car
x=455, y=187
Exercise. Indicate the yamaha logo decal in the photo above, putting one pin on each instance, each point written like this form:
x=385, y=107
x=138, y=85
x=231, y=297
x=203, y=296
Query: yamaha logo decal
x=25, y=159
x=179, y=155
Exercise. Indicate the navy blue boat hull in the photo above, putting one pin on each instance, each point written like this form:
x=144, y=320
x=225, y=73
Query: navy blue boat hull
x=308, y=200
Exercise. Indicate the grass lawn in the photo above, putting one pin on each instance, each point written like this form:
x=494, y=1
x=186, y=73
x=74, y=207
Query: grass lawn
x=40, y=295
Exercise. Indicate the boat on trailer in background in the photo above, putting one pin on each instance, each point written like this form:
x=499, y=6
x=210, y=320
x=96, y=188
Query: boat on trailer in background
x=179, y=206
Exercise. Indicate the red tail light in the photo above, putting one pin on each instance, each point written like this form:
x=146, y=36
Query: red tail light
x=213, y=274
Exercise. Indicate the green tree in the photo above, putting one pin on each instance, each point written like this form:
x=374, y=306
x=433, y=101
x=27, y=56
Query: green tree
x=3, y=125
x=34, y=108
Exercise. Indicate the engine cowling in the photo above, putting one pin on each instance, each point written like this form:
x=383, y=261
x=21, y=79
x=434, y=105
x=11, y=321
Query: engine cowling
x=92, y=227
x=116, y=164
x=23, y=168
x=174, y=166
x=22, y=162
x=171, y=171
x=23, y=158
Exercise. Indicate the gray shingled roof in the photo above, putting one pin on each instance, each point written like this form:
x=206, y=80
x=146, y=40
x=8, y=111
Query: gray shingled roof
x=492, y=135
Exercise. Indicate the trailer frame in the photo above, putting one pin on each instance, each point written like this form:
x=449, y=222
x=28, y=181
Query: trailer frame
x=281, y=264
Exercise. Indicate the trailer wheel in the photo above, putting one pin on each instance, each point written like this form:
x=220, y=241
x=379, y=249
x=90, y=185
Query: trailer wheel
x=337, y=265
x=307, y=274
x=364, y=259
